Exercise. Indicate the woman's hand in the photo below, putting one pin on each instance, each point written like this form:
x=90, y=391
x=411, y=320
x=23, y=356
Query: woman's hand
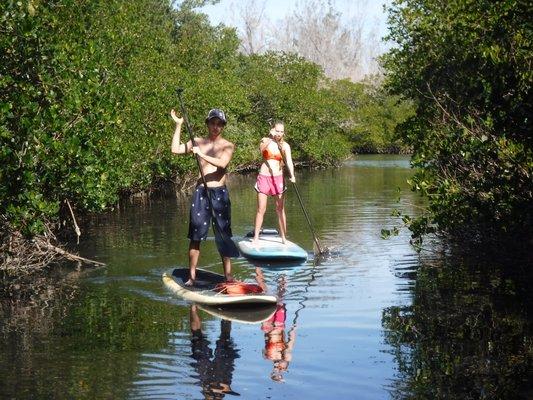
x=175, y=117
x=292, y=179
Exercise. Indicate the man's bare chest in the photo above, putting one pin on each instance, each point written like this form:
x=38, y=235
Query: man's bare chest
x=211, y=149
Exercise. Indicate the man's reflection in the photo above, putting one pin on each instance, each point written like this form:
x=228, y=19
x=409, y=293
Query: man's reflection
x=214, y=372
x=278, y=348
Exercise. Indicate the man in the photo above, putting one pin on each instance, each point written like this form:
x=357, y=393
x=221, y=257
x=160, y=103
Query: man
x=214, y=153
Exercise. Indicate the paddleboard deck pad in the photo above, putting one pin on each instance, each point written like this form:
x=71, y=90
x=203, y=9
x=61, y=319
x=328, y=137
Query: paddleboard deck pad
x=204, y=290
x=270, y=247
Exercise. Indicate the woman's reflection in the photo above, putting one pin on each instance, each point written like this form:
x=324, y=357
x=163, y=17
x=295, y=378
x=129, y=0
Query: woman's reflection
x=215, y=373
x=278, y=348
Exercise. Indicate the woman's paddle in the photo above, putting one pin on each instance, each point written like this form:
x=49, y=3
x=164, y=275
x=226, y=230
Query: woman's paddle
x=226, y=246
x=320, y=249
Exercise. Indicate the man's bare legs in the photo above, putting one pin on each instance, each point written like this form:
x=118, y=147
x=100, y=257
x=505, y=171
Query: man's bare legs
x=195, y=322
x=282, y=218
x=194, y=255
x=260, y=214
x=226, y=262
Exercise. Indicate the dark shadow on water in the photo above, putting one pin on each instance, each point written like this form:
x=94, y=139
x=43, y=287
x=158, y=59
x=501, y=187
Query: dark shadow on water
x=279, y=266
x=468, y=332
x=214, y=366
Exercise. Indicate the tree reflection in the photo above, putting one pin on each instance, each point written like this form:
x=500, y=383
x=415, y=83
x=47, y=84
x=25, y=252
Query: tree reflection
x=465, y=336
x=214, y=369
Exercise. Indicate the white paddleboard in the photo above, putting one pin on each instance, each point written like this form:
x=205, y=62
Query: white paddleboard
x=270, y=247
x=204, y=291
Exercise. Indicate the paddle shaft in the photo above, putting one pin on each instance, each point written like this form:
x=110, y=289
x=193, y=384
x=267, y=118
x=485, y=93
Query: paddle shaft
x=315, y=238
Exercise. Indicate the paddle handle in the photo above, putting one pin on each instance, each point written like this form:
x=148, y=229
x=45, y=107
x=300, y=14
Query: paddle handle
x=191, y=137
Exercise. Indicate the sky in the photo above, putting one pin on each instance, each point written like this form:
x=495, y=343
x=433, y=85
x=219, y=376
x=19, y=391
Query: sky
x=375, y=16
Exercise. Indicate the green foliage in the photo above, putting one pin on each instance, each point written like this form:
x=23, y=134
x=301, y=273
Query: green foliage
x=86, y=86
x=79, y=95
x=372, y=116
x=287, y=87
x=467, y=67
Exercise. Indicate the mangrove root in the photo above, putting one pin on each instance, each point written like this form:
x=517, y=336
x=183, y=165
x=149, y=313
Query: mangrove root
x=22, y=255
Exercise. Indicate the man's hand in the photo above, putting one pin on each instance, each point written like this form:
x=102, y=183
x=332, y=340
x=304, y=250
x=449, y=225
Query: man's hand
x=175, y=117
x=196, y=150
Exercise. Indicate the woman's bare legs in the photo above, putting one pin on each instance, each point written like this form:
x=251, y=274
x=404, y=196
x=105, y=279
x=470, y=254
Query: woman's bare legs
x=260, y=214
x=282, y=218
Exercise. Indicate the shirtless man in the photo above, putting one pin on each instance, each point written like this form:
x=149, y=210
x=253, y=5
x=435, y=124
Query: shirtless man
x=215, y=154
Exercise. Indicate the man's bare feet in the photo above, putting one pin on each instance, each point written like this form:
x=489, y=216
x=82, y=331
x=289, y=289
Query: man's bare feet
x=190, y=282
x=229, y=278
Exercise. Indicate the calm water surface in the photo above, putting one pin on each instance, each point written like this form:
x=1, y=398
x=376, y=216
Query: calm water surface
x=117, y=333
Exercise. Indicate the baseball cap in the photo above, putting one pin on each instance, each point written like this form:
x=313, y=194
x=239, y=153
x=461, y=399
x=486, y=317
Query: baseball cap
x=216, y=113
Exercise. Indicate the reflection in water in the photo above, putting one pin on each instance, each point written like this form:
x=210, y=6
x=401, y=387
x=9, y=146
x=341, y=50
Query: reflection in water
x=215, y=370
x=463, y=337
x=278, y=348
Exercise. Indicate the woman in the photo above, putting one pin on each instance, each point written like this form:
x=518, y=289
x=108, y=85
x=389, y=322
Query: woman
x=270, y=179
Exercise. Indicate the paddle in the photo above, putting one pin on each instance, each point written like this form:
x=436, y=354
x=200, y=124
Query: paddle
x=225, y=245
x=315, y=238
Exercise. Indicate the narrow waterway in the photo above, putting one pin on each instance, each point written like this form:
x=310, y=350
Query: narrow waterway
x=373, y=321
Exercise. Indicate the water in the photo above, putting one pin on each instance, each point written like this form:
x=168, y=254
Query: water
x=365, y=323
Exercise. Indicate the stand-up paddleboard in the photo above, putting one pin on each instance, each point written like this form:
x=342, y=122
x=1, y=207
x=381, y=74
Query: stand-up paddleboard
x=204, y=290
x=245, y=315
x=270, y=247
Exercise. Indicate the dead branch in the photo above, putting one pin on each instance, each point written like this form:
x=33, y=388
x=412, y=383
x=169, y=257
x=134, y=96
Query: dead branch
x=76, y=227
x=20, y=255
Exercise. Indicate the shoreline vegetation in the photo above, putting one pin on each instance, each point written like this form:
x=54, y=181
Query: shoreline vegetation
x=86, y=90
x=467, y=67
x=86, y=87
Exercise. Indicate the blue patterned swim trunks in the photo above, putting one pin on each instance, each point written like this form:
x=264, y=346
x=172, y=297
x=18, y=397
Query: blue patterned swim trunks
x=200, y=213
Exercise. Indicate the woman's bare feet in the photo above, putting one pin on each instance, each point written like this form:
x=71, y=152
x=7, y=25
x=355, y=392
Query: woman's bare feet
x=229, y=278
x=190, y=282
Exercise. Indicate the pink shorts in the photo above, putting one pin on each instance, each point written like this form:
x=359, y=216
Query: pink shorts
x=270, y=185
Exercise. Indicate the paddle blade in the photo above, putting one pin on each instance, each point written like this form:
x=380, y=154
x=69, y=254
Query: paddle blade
x=319, y=248
x=225, y=245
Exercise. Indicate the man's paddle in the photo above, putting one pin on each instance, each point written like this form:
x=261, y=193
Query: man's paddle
x=226, y=247
x=321, y=250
